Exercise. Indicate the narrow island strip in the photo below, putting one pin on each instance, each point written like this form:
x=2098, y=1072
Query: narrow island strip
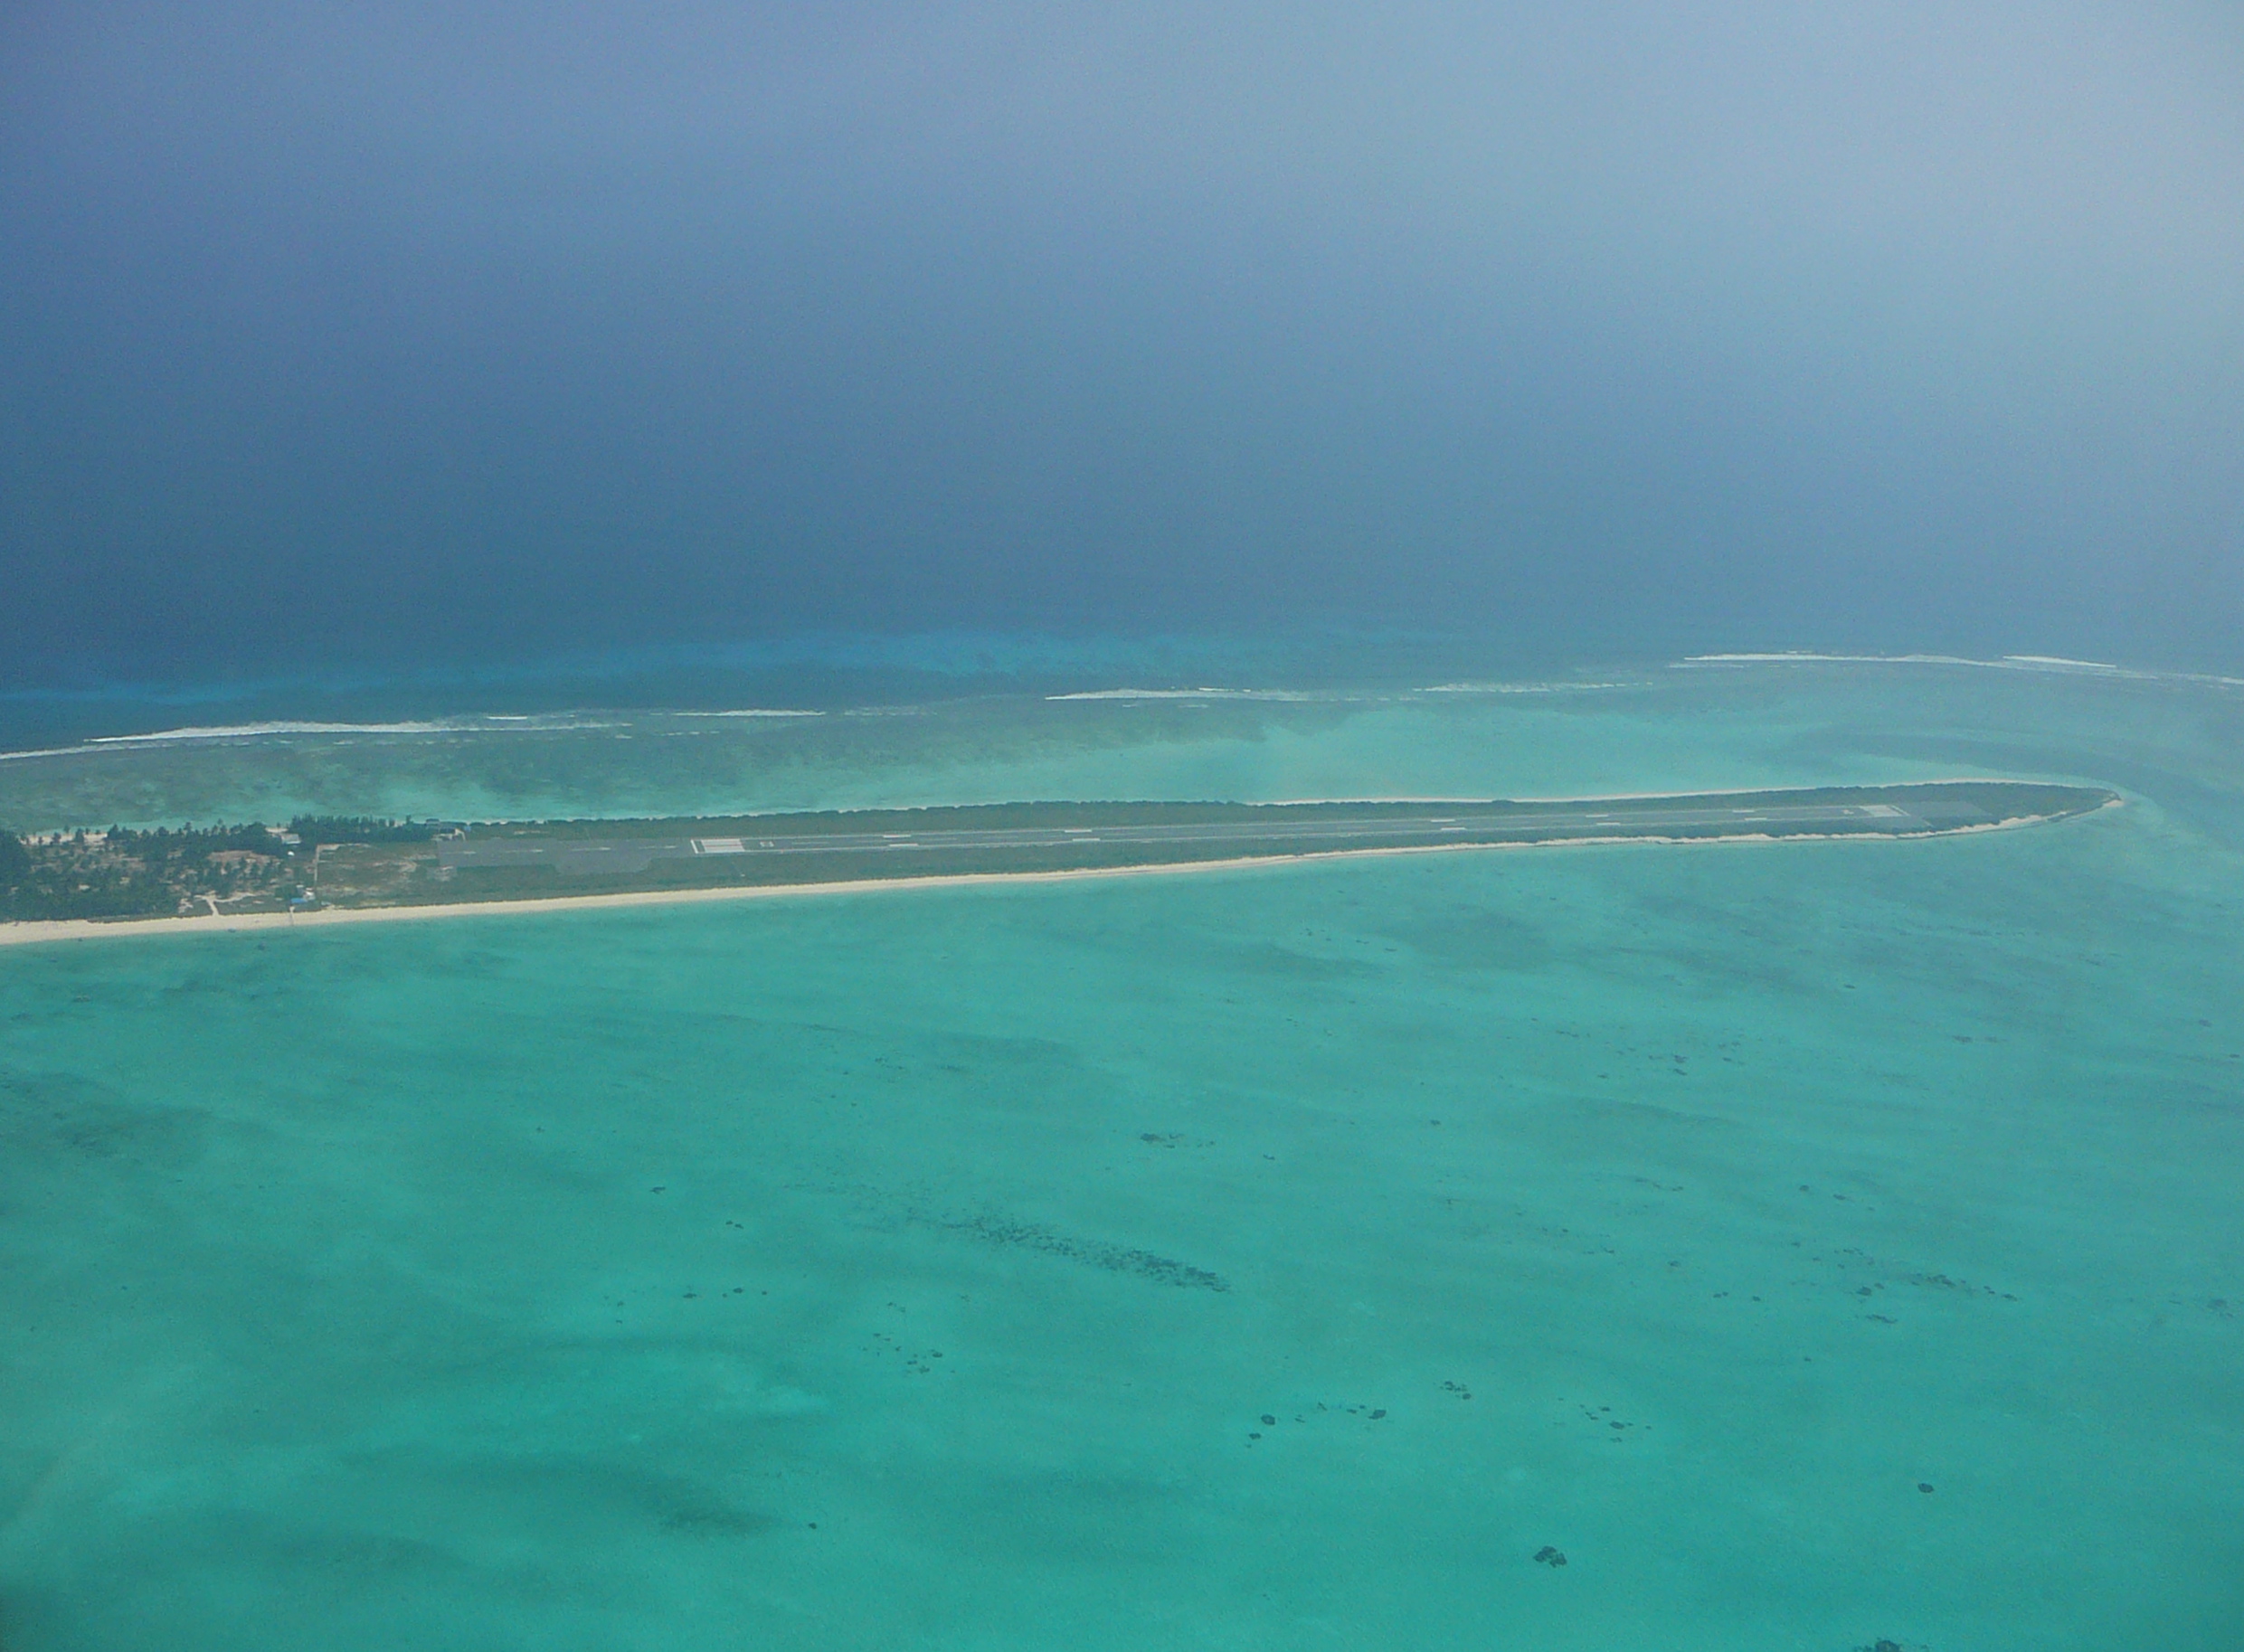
x=327, y=869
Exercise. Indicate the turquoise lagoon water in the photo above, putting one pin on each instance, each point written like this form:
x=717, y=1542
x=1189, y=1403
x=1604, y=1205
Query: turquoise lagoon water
x=1267, y=1259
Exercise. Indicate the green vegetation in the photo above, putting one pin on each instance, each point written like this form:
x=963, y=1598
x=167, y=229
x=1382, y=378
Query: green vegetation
x=127, y=873
x=190, y=843
x=58, y=887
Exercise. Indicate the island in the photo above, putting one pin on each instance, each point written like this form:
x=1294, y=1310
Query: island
x=328, y=866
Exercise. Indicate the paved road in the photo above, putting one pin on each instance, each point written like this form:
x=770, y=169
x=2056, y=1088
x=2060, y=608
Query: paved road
x=1460, y=823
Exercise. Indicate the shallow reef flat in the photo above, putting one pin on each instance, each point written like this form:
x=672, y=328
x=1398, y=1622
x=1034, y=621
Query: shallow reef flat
x=1812, y=1248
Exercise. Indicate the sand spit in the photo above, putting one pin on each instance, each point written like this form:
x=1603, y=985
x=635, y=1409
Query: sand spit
x=39, y=933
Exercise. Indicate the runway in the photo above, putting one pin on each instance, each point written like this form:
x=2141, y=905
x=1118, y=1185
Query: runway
x=1284, y=830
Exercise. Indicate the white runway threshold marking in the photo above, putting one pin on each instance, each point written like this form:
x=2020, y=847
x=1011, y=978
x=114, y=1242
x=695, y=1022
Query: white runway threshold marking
x=719, y=845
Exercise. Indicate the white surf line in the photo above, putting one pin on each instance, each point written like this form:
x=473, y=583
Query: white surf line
x=200, y=733
x=249, y=731
x=37, y=932
x=1207, y=694
x=2055, y=664
x=1518, y=688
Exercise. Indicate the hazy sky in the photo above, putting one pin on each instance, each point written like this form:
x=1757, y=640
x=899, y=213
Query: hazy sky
x=394, y=330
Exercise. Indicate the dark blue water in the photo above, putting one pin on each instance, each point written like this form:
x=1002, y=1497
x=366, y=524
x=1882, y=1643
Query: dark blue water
x=473, y=348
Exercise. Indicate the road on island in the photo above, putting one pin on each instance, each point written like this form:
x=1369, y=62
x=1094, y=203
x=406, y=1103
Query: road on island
x=1459, y=823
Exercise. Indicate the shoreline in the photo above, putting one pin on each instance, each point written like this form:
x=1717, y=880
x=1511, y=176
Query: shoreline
x=50, y=931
